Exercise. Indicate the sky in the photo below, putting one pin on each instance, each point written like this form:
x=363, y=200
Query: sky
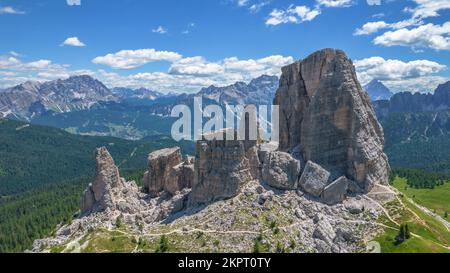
x=182, y=46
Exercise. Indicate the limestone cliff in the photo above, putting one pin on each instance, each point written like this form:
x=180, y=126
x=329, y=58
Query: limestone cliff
x=326, y=115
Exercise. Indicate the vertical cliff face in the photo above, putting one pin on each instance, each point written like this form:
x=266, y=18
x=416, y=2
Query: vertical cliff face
x=326, y=115
x=222, y=167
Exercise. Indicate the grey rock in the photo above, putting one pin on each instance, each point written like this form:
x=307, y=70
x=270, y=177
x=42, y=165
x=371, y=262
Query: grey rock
x=329, y=116
x=222, y=168
x=354, y=207
x=161, y=175
x=281, y=170
x=99, y=196
x=325, y=232
x=336, y=192
x=314, y=179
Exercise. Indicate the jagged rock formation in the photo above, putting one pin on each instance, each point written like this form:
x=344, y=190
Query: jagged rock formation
x=222, y=167
x=167, y=172
x=325, y=114
x=106, y=192
x=327, y=121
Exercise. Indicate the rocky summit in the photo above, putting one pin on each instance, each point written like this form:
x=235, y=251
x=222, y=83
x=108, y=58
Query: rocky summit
x=327, y=117
x=310, y=186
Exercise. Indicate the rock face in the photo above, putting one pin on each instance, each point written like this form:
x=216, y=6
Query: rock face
x=314, y=179
x=325, y=114
x=98, y=196
x=280, y=170
x=222, y=167
x=164, y=169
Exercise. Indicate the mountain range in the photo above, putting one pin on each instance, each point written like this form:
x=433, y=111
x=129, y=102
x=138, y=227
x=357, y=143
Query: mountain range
x=34, y=98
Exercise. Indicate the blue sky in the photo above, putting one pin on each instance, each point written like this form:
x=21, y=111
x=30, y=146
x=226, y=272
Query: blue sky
x=181, y=46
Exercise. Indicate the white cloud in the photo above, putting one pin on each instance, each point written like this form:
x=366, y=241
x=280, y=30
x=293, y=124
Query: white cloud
x=335, y=3
x=255, y=8
x=371, y=27
x=195, y=66
x=373, y=2
x=402, y=76
x=73, y=2
x=242, y=3
x=428, y=8
x=184, y=75
x=10, y=10
x=425, y=36
x=294, y=14
x=160, y=30
x=299, y=14
x=127, y=59
x=413, y=32
x=73, y=41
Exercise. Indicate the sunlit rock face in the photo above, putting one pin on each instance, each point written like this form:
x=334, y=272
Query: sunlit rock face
x=329, y=119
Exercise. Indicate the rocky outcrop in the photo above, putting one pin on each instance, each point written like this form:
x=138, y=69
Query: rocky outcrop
x=99, y=195
x=222, y=167
x=329, y=119
x=164, y=170
x=280, y=170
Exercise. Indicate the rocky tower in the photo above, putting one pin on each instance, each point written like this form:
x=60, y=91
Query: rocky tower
x=222, y=167
x=168, y=172
x=327, y=117
x=99, y=196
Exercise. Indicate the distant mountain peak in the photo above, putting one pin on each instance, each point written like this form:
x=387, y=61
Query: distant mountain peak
x=378, y=91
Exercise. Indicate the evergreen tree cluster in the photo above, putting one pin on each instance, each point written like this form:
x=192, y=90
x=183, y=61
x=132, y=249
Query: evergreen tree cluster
x=420, y=179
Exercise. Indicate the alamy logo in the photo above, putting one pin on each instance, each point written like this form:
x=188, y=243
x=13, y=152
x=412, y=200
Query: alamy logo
x=244, y=122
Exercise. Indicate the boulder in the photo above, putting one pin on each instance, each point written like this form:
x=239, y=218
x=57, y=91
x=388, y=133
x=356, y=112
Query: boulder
x=328, y=118
x=280, y=170
x=336, y=192
x=314, y=179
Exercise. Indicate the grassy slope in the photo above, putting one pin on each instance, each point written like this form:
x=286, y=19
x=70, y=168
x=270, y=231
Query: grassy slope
x=430, y=236
x=437, y=199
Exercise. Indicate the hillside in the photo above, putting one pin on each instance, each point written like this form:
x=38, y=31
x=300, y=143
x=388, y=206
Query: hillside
x=33, y=155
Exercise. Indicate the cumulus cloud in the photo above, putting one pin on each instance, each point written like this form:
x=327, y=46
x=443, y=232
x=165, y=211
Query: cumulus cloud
x=188, y=74
x=128, y=59
x=10, y=10
x=73, y=2
x=160, y=30
x=299, y=14
x=425, y=36
x=399, y=74
x=413, y=32
x=294, y=14
x=73, y=41
x=371, y=27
